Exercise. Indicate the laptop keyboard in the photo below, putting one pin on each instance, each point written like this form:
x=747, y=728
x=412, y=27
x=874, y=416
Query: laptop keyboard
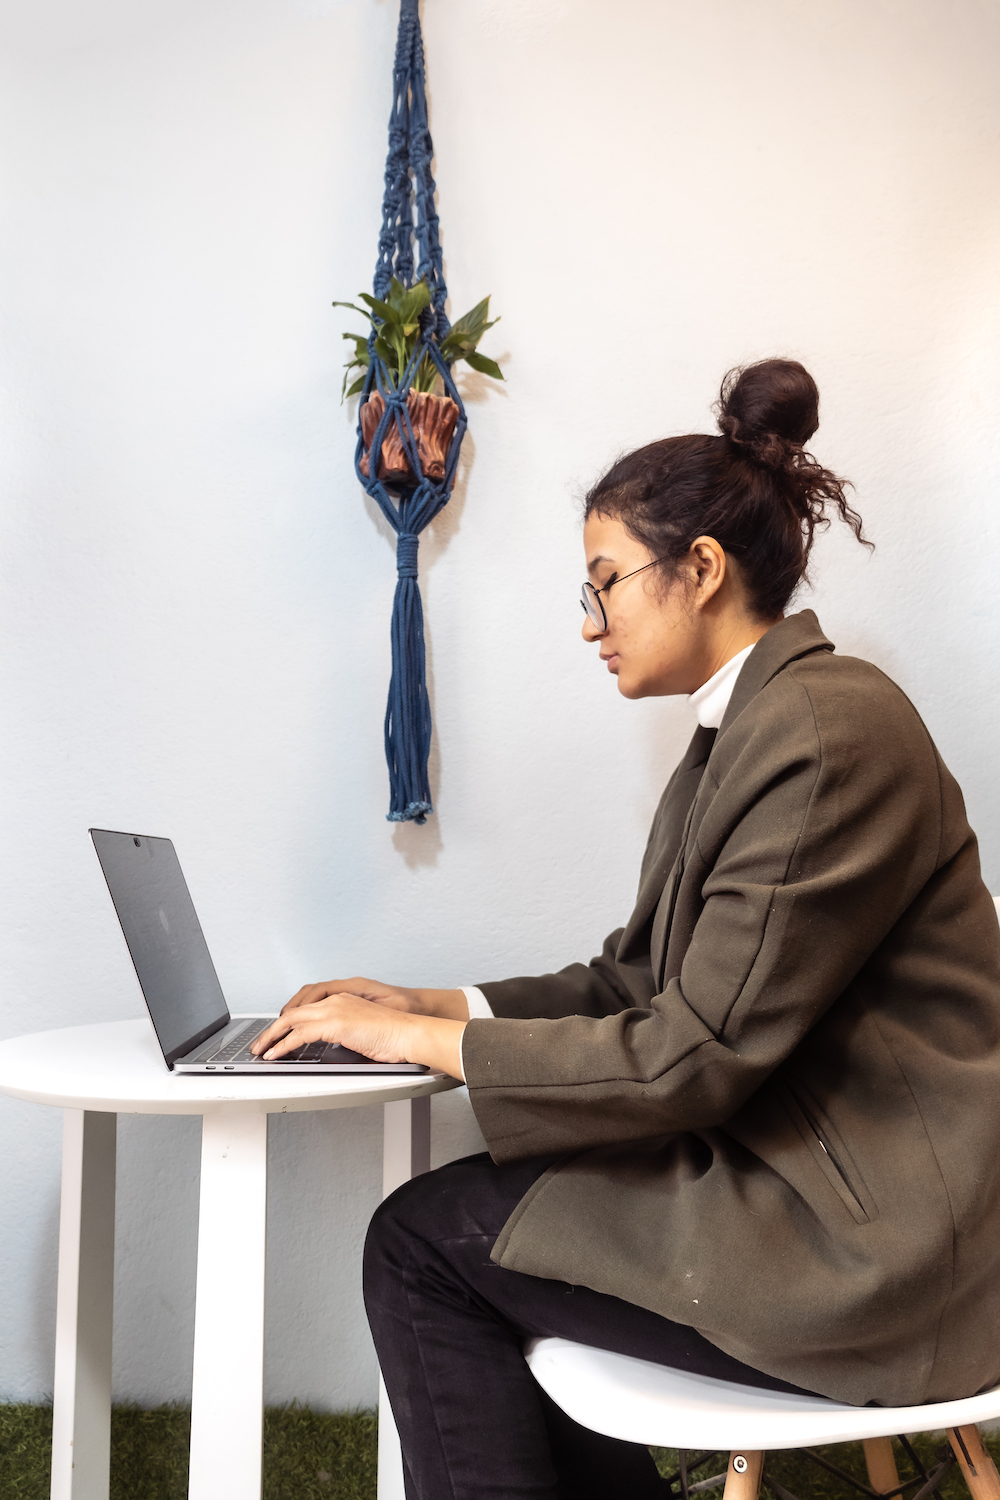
x=237, y=1049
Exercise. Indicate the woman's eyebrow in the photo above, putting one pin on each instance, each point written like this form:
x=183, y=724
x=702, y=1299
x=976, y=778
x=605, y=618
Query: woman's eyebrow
x=598, y=559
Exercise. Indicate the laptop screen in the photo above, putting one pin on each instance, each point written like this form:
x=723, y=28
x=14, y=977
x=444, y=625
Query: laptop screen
x=164, y=937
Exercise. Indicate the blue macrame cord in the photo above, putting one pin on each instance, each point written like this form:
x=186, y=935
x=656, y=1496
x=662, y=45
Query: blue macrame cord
x=408, y=214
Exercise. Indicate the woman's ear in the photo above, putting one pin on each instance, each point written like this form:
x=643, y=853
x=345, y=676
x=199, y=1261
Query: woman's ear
x=708, y=563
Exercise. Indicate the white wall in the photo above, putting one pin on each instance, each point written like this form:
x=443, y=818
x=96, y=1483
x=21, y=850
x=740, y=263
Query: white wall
x=195, y=595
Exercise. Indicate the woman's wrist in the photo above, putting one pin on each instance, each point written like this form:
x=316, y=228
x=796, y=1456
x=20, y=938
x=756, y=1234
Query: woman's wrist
x=436, y=1042
x=449, y=1005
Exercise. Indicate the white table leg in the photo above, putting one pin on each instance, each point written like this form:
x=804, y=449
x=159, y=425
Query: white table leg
x=406, y=1152
x=81, y=1407
x=227, y=1391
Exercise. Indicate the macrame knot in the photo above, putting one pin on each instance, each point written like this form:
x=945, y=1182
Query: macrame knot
x=406, y=555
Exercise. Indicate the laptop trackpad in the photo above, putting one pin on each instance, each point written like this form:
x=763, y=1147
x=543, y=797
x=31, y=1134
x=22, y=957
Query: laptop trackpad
x=324, y=1052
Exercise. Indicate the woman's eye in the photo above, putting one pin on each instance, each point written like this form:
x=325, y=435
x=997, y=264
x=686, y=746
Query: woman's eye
x=609, y=582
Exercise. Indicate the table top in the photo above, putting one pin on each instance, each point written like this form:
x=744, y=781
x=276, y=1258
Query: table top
x=117, y=1066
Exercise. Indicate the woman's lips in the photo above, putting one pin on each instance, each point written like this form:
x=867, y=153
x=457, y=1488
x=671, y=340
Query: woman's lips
x=612, y=661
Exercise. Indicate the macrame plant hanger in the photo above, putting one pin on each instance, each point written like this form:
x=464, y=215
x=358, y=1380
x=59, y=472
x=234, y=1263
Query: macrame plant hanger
x=409, y=220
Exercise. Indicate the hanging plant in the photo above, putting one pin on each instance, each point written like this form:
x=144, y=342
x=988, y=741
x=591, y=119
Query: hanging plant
x=411, y=420
x=396, y=326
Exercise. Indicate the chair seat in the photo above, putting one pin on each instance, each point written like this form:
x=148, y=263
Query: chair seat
x=641, y=1402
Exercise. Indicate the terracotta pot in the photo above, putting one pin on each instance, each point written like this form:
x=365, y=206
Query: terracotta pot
x=433, y=420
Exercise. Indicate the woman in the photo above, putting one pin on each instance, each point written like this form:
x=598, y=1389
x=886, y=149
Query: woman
x=757, y=1137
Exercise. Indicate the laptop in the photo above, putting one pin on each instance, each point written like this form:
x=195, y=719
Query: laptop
x=177, y=977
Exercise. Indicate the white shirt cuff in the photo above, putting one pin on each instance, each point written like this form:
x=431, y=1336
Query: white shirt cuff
x=479, y=1010
x=479, y=1006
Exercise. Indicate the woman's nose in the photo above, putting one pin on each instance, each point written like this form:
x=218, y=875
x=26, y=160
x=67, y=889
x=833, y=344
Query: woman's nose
x=590, y=631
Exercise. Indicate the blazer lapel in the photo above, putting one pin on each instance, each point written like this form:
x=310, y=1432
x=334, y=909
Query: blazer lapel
x=665, y=906
x=664, y=858
x=791, y=638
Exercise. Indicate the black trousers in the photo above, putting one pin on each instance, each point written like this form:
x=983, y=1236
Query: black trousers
x=449, y=1327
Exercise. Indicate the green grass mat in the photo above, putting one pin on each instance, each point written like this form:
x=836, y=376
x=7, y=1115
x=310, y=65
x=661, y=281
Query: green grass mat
x=307, y=1455
x=312, y=1456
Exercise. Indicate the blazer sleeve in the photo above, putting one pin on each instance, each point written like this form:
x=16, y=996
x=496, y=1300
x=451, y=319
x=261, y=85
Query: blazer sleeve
x=820, y=833
x=593, y=989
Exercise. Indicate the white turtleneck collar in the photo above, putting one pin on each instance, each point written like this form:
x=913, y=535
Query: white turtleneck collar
x=712, y=698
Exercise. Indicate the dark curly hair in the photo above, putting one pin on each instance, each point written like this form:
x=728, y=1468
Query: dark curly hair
x=755, y=489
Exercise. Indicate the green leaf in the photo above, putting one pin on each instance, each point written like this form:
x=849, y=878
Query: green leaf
x=426, y=375
x=360, y=346
x=353, y=308
x=358, y=383
x=457, y=348
x=394, y=336
x=476, y=321
x=484, y=365
x=475, y=317
x=384, y=353
x=413, y=302
x=460, y=340
x=384, y=310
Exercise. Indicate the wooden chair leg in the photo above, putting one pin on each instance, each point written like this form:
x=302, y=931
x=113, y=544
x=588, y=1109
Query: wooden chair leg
x=979, y=1469
x=743, y=1478
x=880, y=1462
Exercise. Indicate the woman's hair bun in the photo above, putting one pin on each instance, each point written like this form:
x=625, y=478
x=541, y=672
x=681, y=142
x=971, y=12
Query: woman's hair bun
x=756, y=489
x=769, y=410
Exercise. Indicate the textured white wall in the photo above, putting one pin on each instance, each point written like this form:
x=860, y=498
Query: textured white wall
x=195, y=597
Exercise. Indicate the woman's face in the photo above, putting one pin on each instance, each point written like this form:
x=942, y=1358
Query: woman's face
x=658, y=640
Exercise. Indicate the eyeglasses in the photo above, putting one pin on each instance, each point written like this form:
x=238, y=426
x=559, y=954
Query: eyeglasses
x=590, y=599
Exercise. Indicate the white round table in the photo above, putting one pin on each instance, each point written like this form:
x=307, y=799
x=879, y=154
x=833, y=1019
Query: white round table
x=95, y=1073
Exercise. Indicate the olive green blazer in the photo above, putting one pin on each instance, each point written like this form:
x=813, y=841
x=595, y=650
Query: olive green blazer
x=776, y=1093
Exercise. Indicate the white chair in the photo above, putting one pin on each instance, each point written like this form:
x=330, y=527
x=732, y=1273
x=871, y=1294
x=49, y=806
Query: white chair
x=645, y=1403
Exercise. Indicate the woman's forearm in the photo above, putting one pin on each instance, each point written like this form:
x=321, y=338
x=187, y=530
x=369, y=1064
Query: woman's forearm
x=450, y=1005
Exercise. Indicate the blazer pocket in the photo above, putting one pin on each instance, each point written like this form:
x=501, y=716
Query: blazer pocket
x=830, y=1155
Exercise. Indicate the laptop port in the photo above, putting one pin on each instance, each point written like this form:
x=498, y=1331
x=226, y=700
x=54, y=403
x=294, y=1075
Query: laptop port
x=229, y=1068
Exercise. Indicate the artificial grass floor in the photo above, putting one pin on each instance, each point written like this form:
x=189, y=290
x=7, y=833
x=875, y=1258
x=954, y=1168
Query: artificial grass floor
x=307, y=1455
x=315, y=1456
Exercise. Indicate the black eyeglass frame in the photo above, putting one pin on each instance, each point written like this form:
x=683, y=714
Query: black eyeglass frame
x=588, y=591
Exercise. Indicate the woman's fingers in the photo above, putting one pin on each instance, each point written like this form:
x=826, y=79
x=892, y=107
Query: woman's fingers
x=366, y=989
x=308, y=995
x=287, y=1034
x=345, y=1018
x=297, y=1036
x=277, y=1029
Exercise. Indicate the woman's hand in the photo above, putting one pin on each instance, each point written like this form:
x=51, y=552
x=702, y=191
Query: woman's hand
x=451, y=1004
x=376, y=1030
